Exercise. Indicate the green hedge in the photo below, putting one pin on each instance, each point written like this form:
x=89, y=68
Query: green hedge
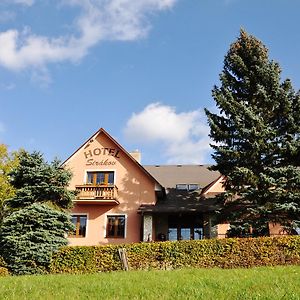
x=223, y=253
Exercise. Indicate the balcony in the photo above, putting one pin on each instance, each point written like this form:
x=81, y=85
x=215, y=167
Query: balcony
x=96, y=194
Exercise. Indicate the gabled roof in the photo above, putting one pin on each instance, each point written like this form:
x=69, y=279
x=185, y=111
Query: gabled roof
x=207, y=190
x=171, y=175
x=102, y=131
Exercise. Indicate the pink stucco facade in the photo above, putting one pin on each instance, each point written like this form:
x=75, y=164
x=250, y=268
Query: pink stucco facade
x=134, y=188
x=127, y=194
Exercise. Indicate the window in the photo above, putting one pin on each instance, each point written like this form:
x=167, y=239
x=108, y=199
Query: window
x=106, y=178
x=115, y=227
x=185, y=227
x=198, y=233
x=182, y=187
x=172, y=234
x=187, y=187
x=80, y=226
x=193, y=187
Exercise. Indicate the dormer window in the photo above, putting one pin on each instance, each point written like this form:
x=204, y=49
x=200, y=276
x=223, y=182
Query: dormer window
x=103, y=177
x=187, y=187
x=194, y=187
x=182, y=187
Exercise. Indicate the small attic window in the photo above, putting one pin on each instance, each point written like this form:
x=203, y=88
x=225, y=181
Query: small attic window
x=187, y=187
x=182, y=187
x=194, y=187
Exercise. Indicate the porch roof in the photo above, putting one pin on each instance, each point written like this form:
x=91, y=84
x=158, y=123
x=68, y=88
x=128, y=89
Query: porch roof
x=180, y=202
x=176, y=201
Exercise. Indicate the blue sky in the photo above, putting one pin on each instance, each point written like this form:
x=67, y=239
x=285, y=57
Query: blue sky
x=141, y=69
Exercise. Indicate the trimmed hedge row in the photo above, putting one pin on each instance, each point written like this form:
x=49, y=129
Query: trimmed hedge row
x=223, y=253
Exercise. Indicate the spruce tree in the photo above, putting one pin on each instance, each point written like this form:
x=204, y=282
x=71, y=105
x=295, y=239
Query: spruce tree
x=35, y=180
x=36, y=222
x=256, y=135
x=30, y=235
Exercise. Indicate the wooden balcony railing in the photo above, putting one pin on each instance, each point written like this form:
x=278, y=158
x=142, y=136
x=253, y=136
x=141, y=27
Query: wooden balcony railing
x=96, y=192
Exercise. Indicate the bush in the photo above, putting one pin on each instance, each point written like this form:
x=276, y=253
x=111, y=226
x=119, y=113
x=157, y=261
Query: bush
x=3, y=268
x=223, y=253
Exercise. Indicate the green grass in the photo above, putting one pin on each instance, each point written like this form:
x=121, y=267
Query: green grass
x=256, y=283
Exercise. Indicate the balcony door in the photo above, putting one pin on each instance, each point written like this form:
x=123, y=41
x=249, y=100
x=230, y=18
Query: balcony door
x=100, y=178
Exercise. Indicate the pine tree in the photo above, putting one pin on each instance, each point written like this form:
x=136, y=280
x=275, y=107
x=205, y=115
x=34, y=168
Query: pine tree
x=257, y=139
x=36, y=222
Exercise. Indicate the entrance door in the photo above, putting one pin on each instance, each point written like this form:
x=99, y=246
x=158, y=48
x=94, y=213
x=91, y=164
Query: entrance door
x=185, y=227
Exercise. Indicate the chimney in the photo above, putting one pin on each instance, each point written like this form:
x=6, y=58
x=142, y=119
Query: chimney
x=137, y=155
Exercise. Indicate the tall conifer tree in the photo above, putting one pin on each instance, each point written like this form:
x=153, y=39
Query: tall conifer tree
x=35, y=180
x=257, y=139
x=36, y=222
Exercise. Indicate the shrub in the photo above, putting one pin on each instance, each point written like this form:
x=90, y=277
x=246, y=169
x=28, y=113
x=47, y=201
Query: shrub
x=225, y=253
x=3, y=271
x=3, y=268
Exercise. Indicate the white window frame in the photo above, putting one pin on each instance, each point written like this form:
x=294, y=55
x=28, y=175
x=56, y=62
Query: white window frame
x=112, y=215
x=87, y=222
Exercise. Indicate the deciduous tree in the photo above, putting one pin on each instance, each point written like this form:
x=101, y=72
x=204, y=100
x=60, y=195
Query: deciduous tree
x=7, y=162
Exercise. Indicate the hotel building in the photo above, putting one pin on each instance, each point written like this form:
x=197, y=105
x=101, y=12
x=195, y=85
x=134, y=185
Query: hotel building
x=120, y=201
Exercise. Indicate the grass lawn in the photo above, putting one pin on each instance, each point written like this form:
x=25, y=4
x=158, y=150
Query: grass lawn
x=256, y=283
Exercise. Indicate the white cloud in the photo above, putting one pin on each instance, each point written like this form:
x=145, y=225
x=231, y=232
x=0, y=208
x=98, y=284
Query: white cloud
x=99, y=20
x=183, y=136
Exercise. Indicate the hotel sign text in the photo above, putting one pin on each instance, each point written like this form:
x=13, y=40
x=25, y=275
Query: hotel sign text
x=92, y=156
